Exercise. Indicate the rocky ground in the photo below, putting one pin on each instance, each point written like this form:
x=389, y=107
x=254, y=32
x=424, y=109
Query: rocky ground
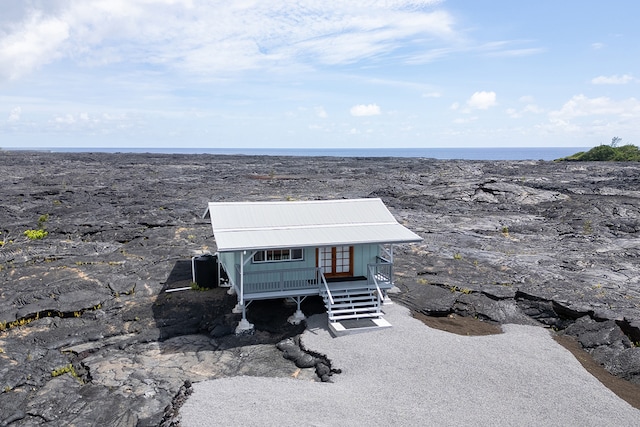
x=88, y=335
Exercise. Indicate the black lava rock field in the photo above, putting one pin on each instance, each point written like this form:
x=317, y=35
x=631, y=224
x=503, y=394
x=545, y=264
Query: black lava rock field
x=91, y=242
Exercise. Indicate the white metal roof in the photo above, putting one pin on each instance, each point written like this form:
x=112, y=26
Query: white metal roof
x=266, y=225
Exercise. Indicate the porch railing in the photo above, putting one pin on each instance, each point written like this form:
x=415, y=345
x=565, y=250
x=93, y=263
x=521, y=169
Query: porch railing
x=381, y=273
x=278, y=280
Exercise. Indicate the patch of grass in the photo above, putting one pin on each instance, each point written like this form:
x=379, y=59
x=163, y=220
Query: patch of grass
x=15, y=323
x=587, y=227
x=43, y=218
x=67, y=369
x=505, y=231
x=423, y=281
x=194, y=286
x=35, y=234
x=465, y=291
x=457, y=256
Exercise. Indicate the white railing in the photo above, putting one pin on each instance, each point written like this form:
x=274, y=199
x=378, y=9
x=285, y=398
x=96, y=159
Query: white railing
x=372, y=274
x=326, y=288
x=278, y=280
x=381, y=271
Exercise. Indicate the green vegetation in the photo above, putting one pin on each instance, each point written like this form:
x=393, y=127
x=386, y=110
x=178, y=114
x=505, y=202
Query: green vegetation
x=35, y=234
x=43, y=218
x=67, y=369
x=194, y=286
x=40, y=232
x=607, y=153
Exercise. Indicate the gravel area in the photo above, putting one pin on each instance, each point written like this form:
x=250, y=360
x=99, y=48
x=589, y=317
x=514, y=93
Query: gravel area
x=412, y=374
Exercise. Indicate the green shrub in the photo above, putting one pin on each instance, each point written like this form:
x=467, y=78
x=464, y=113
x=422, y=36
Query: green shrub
x=35, y=234
x=607, y=153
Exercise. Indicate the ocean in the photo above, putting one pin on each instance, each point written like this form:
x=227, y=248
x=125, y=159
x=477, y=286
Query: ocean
x=486, y=153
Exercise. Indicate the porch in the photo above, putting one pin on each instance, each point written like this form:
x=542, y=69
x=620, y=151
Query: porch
x=347, y=299
x=295, y=282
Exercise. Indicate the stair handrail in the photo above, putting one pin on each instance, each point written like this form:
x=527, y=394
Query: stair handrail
x=375, y=282
x=326, y=286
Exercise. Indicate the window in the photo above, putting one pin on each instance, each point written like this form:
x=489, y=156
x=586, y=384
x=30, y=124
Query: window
x=277, y=255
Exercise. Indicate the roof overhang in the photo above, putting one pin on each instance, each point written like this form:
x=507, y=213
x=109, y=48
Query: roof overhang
x=249, y=226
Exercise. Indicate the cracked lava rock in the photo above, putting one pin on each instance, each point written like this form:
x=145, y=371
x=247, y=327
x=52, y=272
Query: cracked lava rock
x=88, y=335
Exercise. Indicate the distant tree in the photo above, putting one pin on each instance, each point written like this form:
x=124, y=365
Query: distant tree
x=607, y=153
x=601, y=153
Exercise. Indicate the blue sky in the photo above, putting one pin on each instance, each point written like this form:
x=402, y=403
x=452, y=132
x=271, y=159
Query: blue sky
x=309, y=73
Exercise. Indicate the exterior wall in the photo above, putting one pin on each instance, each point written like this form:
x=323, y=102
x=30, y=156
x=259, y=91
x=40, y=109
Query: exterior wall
x=308, y=261
x=227, y=259
x=362, y=256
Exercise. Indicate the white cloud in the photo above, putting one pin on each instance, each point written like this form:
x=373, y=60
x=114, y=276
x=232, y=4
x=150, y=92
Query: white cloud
x=533, y=108
x=482, y=100
x=464, y=120
x=321, y=113
x=601, y=116
x=30, y=44
x=507, y=48
x=68, y=119
x=14, y=116
x=597, y=46
x=431, y=95
x=612, y=80
x=581, y=106
x=362, y=110
x=214, y=37
x=529, y=108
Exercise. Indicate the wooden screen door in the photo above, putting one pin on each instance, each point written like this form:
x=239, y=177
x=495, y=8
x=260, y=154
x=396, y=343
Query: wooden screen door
x=336, y=261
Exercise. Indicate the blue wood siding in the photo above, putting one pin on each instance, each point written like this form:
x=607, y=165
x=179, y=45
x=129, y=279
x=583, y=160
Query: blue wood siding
x=362, y=256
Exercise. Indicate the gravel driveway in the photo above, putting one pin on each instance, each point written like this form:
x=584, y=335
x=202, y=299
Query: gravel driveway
x=412, y=374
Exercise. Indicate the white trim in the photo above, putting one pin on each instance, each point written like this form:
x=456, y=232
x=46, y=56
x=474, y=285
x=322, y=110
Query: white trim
x=305, y=227
x=270, y=261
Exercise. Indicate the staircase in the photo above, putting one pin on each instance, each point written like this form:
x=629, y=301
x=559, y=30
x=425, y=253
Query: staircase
x=353, y=307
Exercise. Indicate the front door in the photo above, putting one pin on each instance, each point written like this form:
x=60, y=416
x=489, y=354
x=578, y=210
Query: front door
x=336, y=261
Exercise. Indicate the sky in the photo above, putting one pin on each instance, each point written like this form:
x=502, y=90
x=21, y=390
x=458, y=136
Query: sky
x=318, y=74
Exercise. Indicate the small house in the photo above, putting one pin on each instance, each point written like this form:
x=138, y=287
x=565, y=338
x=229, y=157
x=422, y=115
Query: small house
x=341, y=250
